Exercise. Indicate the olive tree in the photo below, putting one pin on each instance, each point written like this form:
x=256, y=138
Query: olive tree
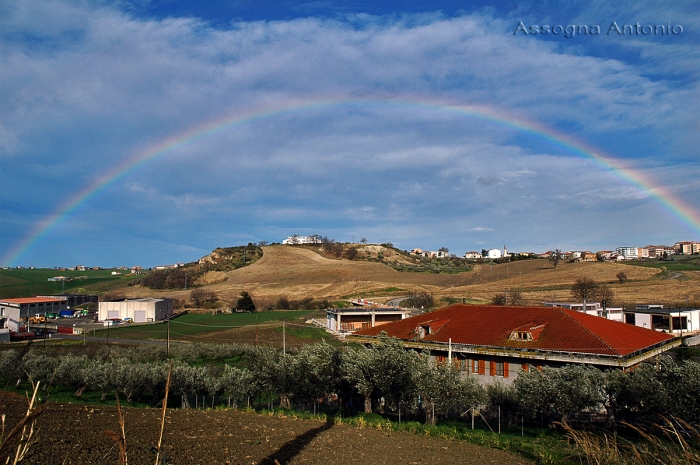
x=442, y=388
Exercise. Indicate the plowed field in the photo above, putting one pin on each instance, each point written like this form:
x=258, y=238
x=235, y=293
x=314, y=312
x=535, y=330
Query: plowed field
x=73, y=434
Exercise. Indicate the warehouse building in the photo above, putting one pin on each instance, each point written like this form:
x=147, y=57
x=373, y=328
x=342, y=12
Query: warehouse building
x=140, y=310
x=15, y=312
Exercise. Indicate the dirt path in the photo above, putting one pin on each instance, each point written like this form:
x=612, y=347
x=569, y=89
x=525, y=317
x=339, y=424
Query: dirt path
x=72, y=434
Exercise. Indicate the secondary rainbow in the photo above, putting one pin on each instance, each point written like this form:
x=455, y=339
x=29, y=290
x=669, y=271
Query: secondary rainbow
x=661, y=195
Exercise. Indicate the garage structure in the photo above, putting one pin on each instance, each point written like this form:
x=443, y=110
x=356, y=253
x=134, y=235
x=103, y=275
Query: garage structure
x=141, y=310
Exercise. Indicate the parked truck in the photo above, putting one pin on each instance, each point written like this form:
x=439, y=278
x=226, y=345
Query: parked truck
x=66, y=314
x=37, y=319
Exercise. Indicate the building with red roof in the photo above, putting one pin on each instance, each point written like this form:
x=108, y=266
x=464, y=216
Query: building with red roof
x=15, y=312
x=498, y=342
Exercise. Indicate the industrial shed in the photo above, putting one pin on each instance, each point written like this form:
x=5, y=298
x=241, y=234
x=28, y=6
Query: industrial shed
x=141, y=310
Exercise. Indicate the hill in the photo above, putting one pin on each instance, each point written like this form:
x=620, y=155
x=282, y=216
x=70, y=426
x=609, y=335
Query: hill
x=301, y=272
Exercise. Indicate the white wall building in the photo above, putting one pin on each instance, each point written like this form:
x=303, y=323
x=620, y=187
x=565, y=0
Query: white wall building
x=592, y=308
x=668, y=320
x=494, y=253
x=628, y=253
x=292, y=240
x=140, y=310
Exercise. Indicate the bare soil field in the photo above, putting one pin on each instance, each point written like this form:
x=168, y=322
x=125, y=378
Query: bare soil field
x=75, y=434
x=296, y=273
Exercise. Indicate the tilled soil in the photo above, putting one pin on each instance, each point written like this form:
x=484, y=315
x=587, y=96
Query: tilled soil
x=75, y=434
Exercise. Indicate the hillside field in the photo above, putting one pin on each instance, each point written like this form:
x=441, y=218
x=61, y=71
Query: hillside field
x=298, y=272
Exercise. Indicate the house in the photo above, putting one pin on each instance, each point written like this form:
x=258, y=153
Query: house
x=348, y=320
x=592, y=308
x=472, y=254
x=494, y=253
x=140, y=310
x=498, y=342
x=416, y=251
x=16, y=312
x=627, y=253
x=687, y=247
x=658, y=251
x=675, y=321
x=294, y=240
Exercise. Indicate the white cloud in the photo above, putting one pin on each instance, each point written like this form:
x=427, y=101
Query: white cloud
x=86, y=86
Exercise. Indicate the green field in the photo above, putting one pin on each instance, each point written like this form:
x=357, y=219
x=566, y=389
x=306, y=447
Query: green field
x=194, y=324
x=677, y=264
x=22, y=282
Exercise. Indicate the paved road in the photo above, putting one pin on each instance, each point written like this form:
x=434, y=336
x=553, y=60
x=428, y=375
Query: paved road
x=396, y=302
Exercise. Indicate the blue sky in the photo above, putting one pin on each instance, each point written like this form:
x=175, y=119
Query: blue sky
x=368, y=146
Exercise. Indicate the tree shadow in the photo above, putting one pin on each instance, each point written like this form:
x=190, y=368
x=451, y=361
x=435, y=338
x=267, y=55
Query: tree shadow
x=292, y=448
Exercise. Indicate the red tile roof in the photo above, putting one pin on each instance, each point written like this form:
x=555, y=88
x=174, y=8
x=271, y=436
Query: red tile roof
x=491, y=326
x=31, y=300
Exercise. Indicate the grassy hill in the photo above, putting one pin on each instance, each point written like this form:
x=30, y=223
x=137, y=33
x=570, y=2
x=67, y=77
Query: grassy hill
x=300, y=272
x=21, y=282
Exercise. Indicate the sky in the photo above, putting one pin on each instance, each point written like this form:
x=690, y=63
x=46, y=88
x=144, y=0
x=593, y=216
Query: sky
x=137, y=132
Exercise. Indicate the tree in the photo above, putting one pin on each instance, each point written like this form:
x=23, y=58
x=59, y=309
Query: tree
x=245, y=303
x=584, y=289
x=421, y=299
x=499, y=299
x=262, y=243
x=515, y=298
x=621, y=276
x=200, y=297
x=444, y=250
x=554, y=257
x=363, y=240
x=442, y=388
x=605, y=296
x=283, y=303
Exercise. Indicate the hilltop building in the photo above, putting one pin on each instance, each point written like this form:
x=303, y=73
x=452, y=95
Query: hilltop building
x=295, y=240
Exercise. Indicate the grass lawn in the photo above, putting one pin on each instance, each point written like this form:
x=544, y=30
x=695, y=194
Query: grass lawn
x=196, y=323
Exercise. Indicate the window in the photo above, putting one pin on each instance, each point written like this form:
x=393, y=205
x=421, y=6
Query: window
x=499, y=368
x=475, y=366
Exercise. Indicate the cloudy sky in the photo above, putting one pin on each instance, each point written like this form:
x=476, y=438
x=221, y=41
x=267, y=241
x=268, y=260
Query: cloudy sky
x=150, y=132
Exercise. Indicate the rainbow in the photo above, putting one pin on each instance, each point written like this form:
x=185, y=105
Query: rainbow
x=664, y=197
